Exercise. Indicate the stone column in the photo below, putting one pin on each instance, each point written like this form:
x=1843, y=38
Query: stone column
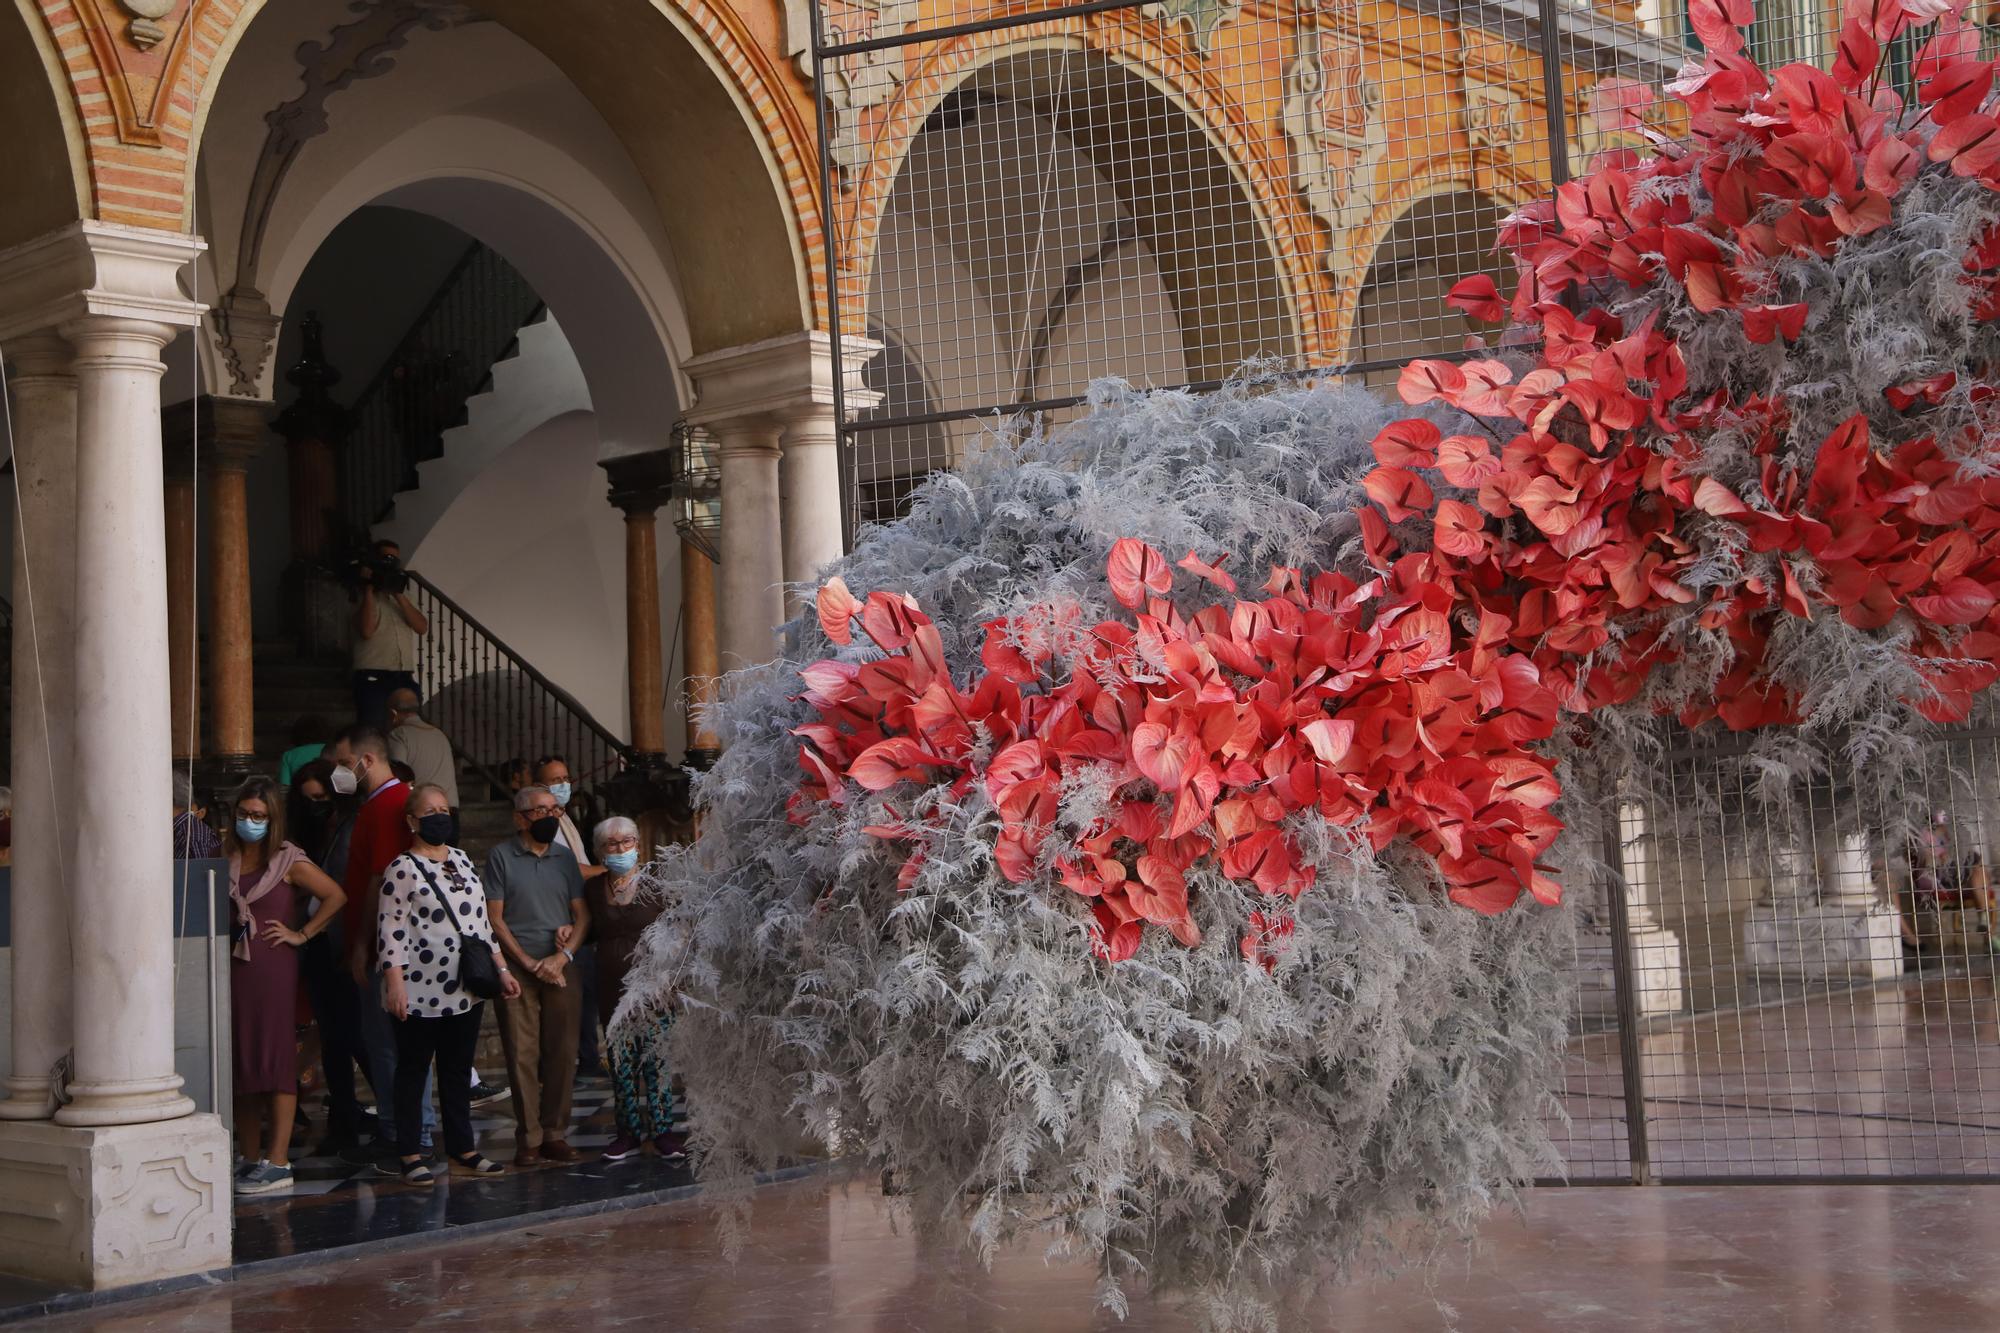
x=809, y=482
x=183, y=690
x=44, y=717
x=700, y=660
x=123, y=982
x=752, y=571
x=1657, y=966
x=124, y=1183
x=236, y=427
x=640, y=484
x=762, y=402
x=1824, y=918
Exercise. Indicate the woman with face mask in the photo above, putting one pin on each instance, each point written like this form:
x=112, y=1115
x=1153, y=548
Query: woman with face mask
x=432, y=906
x=270, y=879
x=619, y=915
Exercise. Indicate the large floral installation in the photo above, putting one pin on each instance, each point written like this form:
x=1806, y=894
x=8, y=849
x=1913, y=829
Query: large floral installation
x=1148, y=844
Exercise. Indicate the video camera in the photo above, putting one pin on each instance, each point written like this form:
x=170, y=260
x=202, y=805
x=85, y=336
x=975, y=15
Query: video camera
x=370, y=568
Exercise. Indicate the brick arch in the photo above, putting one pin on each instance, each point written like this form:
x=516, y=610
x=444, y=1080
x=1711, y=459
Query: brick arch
x=141, y=113
x=1451, y=173
x=1254, y=155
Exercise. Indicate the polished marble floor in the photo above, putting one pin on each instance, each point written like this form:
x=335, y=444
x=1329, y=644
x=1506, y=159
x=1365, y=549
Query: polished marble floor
x=1886, y=1081
x=1777, y=1259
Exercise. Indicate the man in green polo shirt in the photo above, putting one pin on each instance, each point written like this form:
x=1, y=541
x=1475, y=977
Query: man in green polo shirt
x=534, y=894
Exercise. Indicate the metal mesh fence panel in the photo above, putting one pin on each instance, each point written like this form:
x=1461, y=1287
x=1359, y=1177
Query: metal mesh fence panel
x=1025, y=199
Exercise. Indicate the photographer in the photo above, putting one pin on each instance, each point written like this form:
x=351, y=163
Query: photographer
x=386, y=626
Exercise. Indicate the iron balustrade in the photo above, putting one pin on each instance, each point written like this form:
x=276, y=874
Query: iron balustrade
x=495, y=706
x=471, y=323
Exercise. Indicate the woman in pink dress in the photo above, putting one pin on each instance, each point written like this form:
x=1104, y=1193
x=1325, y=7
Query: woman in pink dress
x=268, y=879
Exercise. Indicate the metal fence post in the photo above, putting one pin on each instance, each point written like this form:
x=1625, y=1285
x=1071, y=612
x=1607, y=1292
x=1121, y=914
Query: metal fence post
x=830, y=233
x=1626, y=997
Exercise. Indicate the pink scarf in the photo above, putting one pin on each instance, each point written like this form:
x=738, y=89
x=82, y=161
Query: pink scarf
x=275, y=872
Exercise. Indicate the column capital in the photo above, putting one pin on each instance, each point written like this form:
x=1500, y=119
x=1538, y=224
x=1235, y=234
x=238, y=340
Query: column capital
x=640, y=483
x=778, y=378
x=97, y=269
x=42, y=354
x=213, y=433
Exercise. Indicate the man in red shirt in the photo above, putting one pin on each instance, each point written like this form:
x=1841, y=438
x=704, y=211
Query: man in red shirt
x=381, y=834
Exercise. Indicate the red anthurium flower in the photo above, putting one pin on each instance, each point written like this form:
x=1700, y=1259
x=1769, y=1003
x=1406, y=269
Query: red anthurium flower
x=1479, y=298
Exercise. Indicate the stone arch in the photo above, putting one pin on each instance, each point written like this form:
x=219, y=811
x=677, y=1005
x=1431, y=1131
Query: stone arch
x=43, y=157
x=1178, y=101
x=1435, y=217
x=714, y=126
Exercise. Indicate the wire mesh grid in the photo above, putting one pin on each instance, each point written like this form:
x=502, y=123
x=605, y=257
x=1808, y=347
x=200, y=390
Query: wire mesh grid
x=1028, y=198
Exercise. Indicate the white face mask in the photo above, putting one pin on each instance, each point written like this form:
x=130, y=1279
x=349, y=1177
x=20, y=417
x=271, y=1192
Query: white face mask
x=344, y=781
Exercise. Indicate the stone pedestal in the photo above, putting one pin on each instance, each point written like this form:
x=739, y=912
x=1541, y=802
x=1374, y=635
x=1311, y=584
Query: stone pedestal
x=1824, y=927
x=1657, y=969
x=113, y=1205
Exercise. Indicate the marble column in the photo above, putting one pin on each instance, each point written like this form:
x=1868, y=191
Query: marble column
x=640, y=484
x=123, y=982
x=183, y=689
x=236, y=429
x=1824, y=916
x=809, y=482
x=44, y=717
x=1658, y=969
x=124, y=1183
x=700, y=660
x=752, y=573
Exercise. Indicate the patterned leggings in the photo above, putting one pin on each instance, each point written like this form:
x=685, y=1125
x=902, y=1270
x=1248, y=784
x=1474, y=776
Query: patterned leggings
x=640, y=1080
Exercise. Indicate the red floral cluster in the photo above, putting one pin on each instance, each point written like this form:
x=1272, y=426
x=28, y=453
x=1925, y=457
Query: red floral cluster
x=1408, y=706
x=1603, y=460
x=1207, y=731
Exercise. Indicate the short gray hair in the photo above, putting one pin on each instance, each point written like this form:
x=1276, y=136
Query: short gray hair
x=609, y=829
x=7, y=799
x=183, y=790
x=525, y=798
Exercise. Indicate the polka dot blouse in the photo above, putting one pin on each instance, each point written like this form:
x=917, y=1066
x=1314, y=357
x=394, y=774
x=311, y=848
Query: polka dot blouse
x=416, y=934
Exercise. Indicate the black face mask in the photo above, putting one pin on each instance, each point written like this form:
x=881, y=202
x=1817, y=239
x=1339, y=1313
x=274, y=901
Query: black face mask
x=545, y=828
x=435, y=829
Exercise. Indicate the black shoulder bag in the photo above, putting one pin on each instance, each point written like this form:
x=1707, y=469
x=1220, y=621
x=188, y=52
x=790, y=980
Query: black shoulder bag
x=478, y=974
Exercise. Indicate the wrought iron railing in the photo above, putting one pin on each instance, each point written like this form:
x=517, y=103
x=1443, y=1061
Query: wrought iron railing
x=469, y=325
x=495, y=706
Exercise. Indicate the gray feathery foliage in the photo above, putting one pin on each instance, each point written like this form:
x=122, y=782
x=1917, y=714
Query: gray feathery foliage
x=1183, y=1118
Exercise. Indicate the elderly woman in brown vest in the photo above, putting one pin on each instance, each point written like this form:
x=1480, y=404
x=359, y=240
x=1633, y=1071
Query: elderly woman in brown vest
x=620, y=911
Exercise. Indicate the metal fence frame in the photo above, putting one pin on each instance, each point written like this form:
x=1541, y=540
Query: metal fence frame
x=1791, y=31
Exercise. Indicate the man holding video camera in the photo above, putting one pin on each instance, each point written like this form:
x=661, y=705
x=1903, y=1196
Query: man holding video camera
x=386, y=626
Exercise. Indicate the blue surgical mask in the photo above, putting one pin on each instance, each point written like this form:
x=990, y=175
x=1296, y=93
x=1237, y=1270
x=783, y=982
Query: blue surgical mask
x=621, y=863
x=252, y=830
x=560, y=790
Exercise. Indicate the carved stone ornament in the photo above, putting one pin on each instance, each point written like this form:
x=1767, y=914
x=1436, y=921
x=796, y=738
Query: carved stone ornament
x=853, y=82
x=1338, y=129
x=1200, y=17
x=247, y=330
x=145, y=31
x=1494, y=117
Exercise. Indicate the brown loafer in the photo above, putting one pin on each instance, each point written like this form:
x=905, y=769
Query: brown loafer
x=526, y=1156
x=557, y=1150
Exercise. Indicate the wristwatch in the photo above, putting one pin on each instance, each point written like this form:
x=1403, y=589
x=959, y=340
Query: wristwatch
x=567, y=954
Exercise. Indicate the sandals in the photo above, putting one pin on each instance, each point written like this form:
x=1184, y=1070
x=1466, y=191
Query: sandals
x=418, y=1173
x=472, y=1164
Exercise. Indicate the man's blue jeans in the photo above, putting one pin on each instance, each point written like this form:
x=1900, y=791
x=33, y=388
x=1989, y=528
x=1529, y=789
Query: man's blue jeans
x=378, y=1046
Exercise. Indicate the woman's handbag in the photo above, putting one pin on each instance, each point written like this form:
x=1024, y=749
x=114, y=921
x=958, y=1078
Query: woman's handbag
x=478, y=974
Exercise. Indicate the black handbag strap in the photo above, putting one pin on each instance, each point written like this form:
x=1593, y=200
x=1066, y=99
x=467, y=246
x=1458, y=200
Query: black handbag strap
x=439, y=894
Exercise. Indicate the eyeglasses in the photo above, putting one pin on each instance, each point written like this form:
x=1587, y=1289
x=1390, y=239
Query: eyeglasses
x=621, y=844
x=537, y=811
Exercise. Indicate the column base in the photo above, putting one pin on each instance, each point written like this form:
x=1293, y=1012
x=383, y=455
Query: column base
x=100, y=1208
x=28, y=1099
x=1823, y=941
x=134, y=1102
x=1657, y=972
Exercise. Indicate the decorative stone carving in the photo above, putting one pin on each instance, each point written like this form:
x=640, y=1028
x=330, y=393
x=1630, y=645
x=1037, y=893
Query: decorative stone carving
x=1200, y=17
x=1339, y=131
x=362, y=48
x=144, y=31
x=113, y=1206
x=854, y=82
x=1495, y=117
